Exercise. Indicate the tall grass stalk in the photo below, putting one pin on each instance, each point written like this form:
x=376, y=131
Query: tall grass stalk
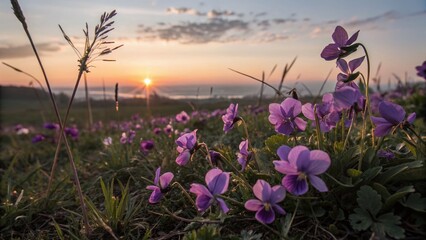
x=89, y=107
x=20, y=16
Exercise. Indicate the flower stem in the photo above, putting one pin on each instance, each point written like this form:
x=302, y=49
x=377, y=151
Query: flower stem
x=349, y=131
x=317, y=125
x=21, y=18
x=185, y=193
x=287, y=229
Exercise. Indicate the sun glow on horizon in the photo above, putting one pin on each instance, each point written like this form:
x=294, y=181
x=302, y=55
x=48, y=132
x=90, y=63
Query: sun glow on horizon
x=147, y=81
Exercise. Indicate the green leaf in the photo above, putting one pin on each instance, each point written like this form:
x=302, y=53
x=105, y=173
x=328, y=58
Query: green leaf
x=370, y=174
x=391, y=172
x=398, y=196
x=360, y=220
x=368, y=199
x=415, y=202
x=390, y=223
x=381, y=190
x=274, y=142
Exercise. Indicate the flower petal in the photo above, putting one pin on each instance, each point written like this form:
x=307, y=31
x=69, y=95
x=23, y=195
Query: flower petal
x=275, y=113
x=165, y=179
x=319, y=162
x=330, y=52
x=318, y=183
x=392, y=112
x=183, y=158
x=157, y=176
x=343, y=65
x=222, y=205
x=262, y=190
x=340, y=36
x=278, y=209
x=353, y=38
x=291, y=107
x=278, y=194
x=155, y=196
x=285, y=128
x=253, y=205
x=308, y=111
x=354, y=64
x=203, y=202
x=199, y=189
x=283, y=152
x=264, y=216
x=299, y=156
x=217, y=181
x=300, y=123
x=285, y=167
x=411, y=118
x=295, y=185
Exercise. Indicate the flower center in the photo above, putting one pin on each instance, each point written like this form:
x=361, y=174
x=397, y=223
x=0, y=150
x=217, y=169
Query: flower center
x=267, y=206
x=302, y=176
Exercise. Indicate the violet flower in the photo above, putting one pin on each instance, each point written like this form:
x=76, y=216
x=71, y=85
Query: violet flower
x=267, y=203
x=230, y=117
x=421, y=70
x=182, y=117
x=328, y=117
x=244, y=155
x=300, y=164
x=127, y=138
x=348, y=74
x=160, y=185
x=157, y=131
x=107, y=141
x=38, y=138
x=146, y=146
x=393, y=115
x=186, y=147
x=284, y=116
x=388, y=155
x=72, y=132
x=51, y=126
x=214, y=157
x=217, y=183
x=346, y=97
x=341, y=42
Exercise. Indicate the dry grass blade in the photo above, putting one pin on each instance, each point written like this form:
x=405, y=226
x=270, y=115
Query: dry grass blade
x=263, y=82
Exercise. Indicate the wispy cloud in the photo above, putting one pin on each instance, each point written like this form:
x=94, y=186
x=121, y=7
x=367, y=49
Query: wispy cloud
x=184, y=10
x=213, y=30
x=26, y=50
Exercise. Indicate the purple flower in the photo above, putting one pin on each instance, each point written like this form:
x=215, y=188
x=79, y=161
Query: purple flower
x=284, y=116
x=215, y=157
x=267, y=203
x=51, y=126
x=230, y=117
x=244, y=155
x=346, y=97
x=385, y=154
x=168, y=129
x=328, y=117
x=38, y=138
x=127, y=138
x=348, y=74
x=157, y=131
x=160, y=185
x=393, y=115
x=186, y=147
x=421, y=70
x=72, y=132
x=299, y=164
x=146, y=146
x=182, y=117
x=341, y=41
x=217, y=183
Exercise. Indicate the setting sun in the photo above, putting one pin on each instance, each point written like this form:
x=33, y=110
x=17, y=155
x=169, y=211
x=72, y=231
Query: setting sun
x=147, y=81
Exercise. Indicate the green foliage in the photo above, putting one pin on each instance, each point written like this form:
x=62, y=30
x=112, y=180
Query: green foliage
x=206, y=232
x=415, y=202
x=365, y=216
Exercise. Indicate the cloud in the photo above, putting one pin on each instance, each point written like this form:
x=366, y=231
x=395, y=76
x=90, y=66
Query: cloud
x=26, y=50
x=226, y=13
x=184, y=10
x=389, y=15
x=213, y=30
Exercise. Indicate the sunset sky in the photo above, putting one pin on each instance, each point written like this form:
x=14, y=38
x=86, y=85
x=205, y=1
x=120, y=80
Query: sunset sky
x=195, y=42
